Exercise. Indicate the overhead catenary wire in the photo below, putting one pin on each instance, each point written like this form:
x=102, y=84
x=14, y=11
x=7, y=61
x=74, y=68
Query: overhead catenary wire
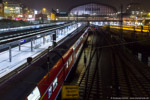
x=113, y=45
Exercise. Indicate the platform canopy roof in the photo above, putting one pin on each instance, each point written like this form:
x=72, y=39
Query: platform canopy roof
x=93, y=9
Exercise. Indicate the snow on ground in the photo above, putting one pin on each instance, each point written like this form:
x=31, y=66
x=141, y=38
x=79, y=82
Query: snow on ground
x=19, y=57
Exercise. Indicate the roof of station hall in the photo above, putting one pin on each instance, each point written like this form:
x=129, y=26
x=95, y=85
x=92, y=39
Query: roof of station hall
x=93, y=7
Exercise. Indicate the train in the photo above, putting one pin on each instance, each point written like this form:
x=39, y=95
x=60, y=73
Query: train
x=59, y=72
x=43, y=79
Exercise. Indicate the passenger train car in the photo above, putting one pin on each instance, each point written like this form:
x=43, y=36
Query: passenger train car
x=57, y=75
x=43, y=79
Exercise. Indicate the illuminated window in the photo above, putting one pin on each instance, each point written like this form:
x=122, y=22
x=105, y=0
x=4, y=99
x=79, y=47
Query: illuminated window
x=70, y=59
x=55, y=84
x=67, y=65
x=35, y=95
x=49, y=91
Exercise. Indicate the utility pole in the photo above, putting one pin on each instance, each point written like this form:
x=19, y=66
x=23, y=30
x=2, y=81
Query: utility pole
x=121, y=25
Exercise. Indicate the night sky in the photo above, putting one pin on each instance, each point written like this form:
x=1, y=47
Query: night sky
x=65, y=5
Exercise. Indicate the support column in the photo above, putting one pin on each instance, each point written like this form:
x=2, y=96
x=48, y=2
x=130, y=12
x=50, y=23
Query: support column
x=68, y=29
x=121, y=26
x=50, y=38
x=31, y=45
x=43, y=39
x=10, y=55
x=54, y=39
x=57, y=33
x=61, y=32
x=19, y=46
x=64, y=30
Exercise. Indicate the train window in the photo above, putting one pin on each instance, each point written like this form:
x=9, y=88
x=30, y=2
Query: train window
x=77, y=43
x=49, y=91
x=70, y=59
x=55, y=84
x=35, y=95
x=67, y=65
x=77, y=54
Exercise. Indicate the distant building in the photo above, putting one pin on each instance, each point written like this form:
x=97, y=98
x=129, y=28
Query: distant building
x=42, y=18
x=28, y=13
x=13, y=9
x=89, y=11
x=135, y=10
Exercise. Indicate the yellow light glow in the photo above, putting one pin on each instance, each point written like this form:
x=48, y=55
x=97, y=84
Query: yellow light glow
x=44, y=9
x=53, y=17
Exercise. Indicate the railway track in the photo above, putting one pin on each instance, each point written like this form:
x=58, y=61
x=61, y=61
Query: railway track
x=12, y=37
x=125, y=78
x=89, y=83
x=130, y=80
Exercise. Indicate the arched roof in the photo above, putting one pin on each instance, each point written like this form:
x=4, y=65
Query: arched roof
x=92, y=8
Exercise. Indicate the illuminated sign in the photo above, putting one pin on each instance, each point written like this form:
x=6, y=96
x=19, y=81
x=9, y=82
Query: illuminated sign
x=92, y=9
x=22, y=41
x=35, y=12
x=30, y=16
x=63, y=12
x=53, y=16
x=70, y=92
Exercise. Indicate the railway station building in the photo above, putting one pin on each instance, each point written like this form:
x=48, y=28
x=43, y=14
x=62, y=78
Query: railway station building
x=89, y=11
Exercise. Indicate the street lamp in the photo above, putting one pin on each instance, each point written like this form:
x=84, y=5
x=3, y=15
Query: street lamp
x=44, y=10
